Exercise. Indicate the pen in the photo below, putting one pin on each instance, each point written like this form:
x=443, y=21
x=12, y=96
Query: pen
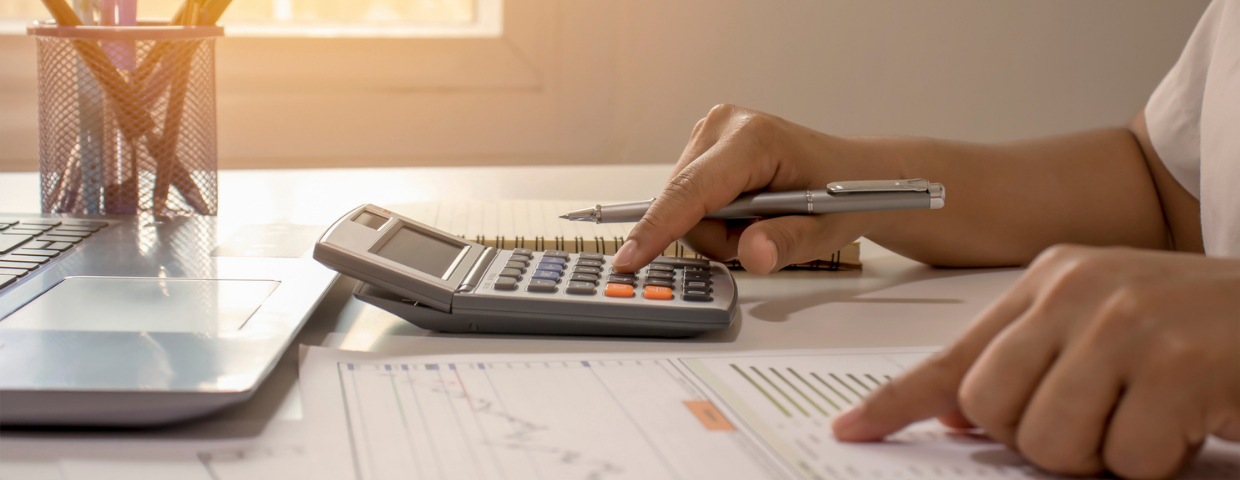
x=854, y=196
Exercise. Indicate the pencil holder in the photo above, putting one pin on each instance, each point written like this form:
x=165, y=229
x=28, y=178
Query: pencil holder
x=127, y=119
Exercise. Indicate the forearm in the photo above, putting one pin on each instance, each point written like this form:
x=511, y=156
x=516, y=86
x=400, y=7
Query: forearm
x=1008, y=202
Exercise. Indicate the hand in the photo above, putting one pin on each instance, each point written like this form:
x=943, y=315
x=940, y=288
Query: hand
x=1097, y=359
x=732, y=151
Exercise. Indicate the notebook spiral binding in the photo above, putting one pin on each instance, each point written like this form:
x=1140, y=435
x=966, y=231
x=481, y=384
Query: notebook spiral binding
x=608, y=246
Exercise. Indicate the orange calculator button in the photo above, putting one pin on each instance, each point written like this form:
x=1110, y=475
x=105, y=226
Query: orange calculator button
x=658, y=293
x=618, y=290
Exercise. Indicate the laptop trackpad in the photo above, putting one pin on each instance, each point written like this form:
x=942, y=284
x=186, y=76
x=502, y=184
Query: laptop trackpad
x=122, y=304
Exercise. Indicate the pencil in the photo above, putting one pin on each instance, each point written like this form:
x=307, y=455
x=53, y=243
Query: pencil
x=63, y=14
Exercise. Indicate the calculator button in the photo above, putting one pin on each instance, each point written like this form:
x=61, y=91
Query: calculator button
x=660, y=274
x=516, y=265
x=590, y=263
x=696, y=296
x=555, y=260
x=555, y=267
x=625, y=279
x=548, y=275
x=520, y=258
x=24, y=258
x=511, y=273
x=66, y=233
x=699, y=276
x=682, y=262
x=592, y=270
x=59, y=238
x=580, y=288
x=27, y=226
x=522, y=251
x=506, y=283
x=60, y=246
x=542, y=286
x=659, y=282
x=618, y=290
x=590, y=256
x=13, y=272
x=73, y=228
x=556, y=253
x=659, y=266
x=657, y=293
x=94, y=225
x=41, y=221
x=696, y=269
x=584, y=277
x=690, y=285
x=36, y=253
x=19, y=265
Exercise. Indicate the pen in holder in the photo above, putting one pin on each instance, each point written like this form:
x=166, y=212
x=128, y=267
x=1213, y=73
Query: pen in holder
x=127, y=119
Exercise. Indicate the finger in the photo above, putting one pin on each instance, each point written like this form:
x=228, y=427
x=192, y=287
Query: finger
x=1062, y=427
x=699, y=142
x=956, y=419
x=1146, y=437
x=716, y=239
x=772, y=244
x=707, y=184
x=931, y=388
x=995, y=392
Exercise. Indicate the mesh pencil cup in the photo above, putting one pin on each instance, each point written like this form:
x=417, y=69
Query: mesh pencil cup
x=127, y=119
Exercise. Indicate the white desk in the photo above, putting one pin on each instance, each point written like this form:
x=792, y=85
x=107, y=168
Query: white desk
x=892, y=302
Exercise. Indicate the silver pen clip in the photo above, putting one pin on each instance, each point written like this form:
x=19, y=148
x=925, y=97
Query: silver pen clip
x=874, y=186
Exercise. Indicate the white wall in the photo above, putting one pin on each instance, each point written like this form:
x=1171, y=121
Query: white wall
x=599, y=81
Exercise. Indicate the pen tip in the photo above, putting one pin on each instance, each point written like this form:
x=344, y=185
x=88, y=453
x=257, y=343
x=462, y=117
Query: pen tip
x=565, y=217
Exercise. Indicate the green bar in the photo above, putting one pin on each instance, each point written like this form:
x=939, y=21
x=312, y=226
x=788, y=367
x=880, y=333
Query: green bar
x=859, y=382
x=398, y=404
x=845, y=384
x=799, y=392
x=777, y=389
x=815, y=389
x=875, y=380
x=763, y=390
x=828, y=385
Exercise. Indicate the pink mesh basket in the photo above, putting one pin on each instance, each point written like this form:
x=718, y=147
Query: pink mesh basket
x=127, y=119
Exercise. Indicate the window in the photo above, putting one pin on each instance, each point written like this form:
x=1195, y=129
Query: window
x=315, y=18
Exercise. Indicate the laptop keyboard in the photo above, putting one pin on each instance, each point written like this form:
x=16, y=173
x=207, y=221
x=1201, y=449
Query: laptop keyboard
x=29, y=243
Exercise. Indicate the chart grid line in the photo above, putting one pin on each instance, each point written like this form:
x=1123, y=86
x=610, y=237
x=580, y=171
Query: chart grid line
x=781, y=392
x=812, y=387
x=846, y=385
x=828, y=385
x=859, y=382
x=799, y=392
x=763, y=390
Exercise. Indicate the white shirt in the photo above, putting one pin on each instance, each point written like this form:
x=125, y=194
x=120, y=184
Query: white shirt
x=1194, y=123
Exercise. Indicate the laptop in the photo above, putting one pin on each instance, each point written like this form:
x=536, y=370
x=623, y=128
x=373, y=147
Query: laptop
x=142, y=320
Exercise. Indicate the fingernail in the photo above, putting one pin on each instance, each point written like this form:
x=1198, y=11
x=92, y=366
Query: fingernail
x=845, y=425
x=624, y=256
x=767, y=254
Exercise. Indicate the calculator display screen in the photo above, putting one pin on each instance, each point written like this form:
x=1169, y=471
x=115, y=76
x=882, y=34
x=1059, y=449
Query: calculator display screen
x=419, y=251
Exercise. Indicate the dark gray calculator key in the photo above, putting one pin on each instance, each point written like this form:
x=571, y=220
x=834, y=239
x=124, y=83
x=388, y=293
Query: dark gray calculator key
x=58, y=238
x=11, y=242
x=33, y=252
x=590, y=256
x=549, y=275
x=506, y=283
x=659, y=282
x=511, y=273
x=696, y=296
x=555, y=260
x=700, y=276
x=517, y=265
x=5, y=280
x=660, y=267
x=13, y=272
x=591, y=270
x=590, y=263
x=556, y=253
x=522, y=251
x=682, y=262
x=542, y=286
x=625, y=279
x=696, y=284
x=580, y=288
x=696, y=269
x=519, y=258
x=24, y=258
x=660, y=274
x=41, y=221
x=19, y=265
x=64, y=233
x=584, y=277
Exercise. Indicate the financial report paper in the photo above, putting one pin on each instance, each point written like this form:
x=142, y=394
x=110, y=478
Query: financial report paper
x=756, y=415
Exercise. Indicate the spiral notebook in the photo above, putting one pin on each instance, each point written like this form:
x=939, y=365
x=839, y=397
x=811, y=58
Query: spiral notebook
x=535, y=224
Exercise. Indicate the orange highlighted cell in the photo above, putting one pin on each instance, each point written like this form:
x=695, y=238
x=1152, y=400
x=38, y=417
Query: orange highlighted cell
x=618, y=290
x=709, y=415
x=658, y=293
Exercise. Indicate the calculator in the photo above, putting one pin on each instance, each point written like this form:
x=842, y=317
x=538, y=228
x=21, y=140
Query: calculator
x=442, y=282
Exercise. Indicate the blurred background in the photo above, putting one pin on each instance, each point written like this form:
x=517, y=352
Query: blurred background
x=336, y=83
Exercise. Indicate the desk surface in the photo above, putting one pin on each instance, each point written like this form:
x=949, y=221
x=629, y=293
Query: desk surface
x=892, y=302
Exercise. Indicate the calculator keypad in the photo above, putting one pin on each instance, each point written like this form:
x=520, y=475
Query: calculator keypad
x=665, y=279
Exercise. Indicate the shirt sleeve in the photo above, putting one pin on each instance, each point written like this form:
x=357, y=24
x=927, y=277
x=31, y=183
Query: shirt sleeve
x=1173, y=114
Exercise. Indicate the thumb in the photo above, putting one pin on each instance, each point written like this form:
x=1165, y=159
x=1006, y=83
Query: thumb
x=775, y=243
